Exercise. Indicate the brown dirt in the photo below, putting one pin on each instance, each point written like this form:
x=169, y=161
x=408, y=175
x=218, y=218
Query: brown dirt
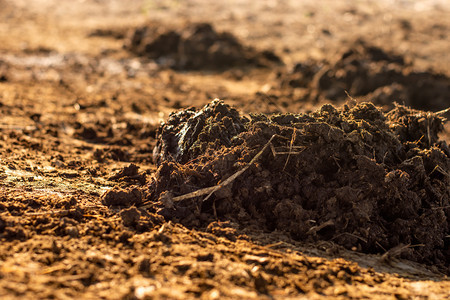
x=351, y=203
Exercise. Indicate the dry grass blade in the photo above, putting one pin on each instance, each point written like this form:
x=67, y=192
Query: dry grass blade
x=350, y=234
x=314, y=229
x=294, y=134
x=443, y=112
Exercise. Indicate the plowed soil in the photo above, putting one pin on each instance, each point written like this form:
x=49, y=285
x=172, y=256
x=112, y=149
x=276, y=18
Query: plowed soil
x=322, y=171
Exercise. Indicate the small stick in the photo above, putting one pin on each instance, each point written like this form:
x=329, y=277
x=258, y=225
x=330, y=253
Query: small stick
x=275, y=244
x=196, y=193
x=274, y=152
x=238, y=173
x=439, y=169
x=376, y=242
x=348, y=95
x=211, y=190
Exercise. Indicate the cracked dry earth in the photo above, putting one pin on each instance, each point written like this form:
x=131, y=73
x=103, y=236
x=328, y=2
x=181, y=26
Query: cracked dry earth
x=349, y=199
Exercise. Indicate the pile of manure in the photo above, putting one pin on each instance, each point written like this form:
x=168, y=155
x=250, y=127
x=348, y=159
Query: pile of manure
x=366, y=180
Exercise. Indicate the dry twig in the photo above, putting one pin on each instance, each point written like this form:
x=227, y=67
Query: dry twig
x=211, y=190
x=168, y=199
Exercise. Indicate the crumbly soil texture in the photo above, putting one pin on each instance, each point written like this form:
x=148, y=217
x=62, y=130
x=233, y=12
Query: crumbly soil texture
x=363, y=179
x=323, y=171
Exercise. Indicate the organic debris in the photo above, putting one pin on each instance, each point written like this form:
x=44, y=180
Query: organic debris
x=363, y=179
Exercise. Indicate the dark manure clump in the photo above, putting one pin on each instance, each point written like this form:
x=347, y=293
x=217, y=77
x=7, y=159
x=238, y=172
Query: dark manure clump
x=355, y=176
x=369, y=72
x=196, y=46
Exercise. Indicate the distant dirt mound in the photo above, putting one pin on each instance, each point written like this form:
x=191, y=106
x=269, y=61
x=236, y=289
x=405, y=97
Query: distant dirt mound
x=195, y=47
x=354, y=176
x=370, y=72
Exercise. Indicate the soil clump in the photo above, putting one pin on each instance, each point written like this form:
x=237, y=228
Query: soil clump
x=369, y=72
x=196, y=46
x=355, y=176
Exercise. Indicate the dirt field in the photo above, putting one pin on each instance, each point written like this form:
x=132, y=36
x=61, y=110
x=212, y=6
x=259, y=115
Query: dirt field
x=121, y=178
